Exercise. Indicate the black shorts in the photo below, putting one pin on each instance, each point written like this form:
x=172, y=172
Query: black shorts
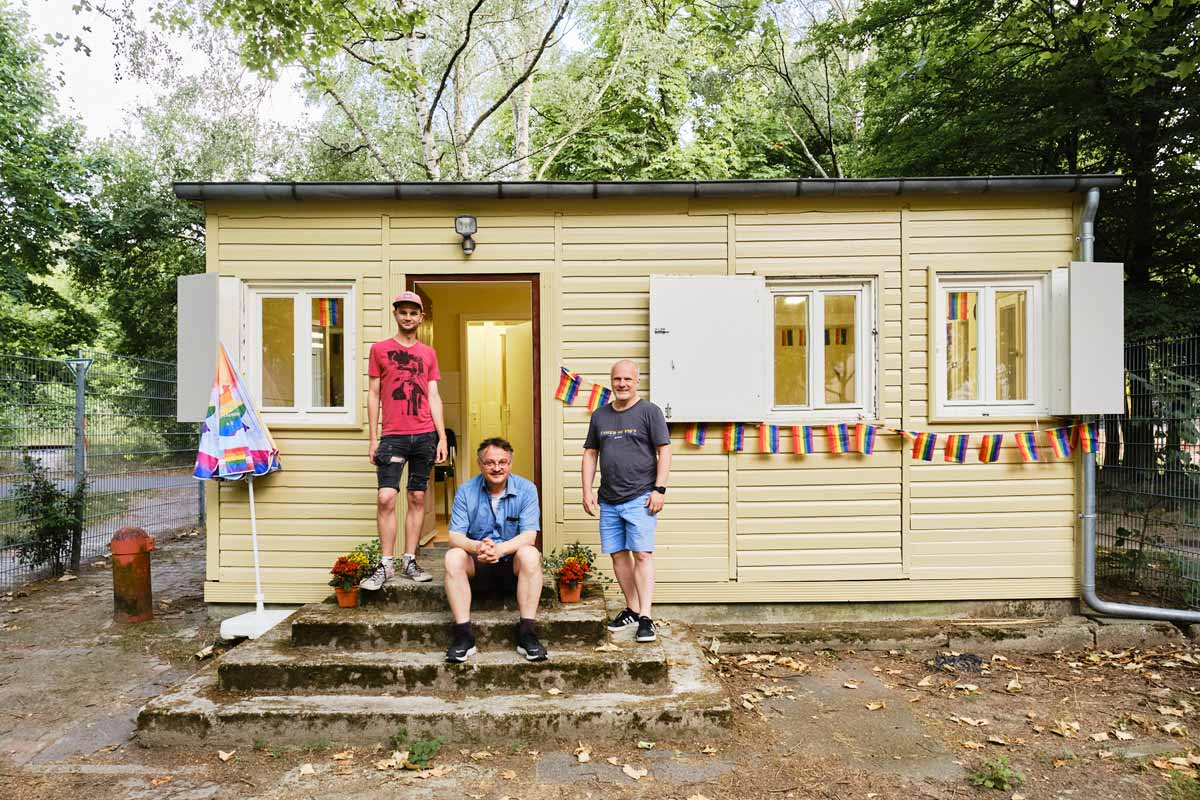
x=417, y=450
x=497, y=579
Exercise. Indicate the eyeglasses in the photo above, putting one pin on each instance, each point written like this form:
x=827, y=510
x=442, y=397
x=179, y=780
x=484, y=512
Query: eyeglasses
x=494, y=464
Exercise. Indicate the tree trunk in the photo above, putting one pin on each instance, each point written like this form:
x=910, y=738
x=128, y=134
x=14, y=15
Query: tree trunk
x=524, y=101
x=462, y=153
x=429, y=157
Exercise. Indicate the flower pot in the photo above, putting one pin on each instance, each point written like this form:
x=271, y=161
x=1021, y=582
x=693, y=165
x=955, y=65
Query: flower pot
x=347, y=598
x=569, y=592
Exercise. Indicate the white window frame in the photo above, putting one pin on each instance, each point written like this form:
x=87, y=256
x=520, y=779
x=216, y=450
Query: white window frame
x=865, y=333
x=302, y=293
x=1037, y=335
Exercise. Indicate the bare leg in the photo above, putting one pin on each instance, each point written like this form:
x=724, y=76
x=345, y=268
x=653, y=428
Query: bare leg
x=623, y=568
x=385, y=520
x=459, y=570
x=414, y=520
x=527, y=564
x=643, y=578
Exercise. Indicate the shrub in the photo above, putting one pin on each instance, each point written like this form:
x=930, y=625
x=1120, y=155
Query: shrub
x=54, y=516
x=997, y=774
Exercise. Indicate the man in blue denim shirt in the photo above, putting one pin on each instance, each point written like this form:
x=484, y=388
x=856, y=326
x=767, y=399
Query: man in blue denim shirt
x=493, y=534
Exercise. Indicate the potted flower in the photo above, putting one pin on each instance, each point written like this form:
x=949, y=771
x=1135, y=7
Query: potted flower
x=571, y=568
x=347, y=572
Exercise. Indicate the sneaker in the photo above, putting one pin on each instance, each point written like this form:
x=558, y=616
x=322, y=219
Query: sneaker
x=377, y=579
x=645, y=631
x=623, y=620
x=409, y=568
x=462, y=649
x=529, y=646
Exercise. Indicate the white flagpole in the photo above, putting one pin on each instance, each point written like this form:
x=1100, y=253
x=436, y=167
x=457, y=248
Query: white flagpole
x=258, y=592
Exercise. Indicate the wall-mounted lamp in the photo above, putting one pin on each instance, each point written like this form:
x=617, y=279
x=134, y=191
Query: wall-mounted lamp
x=464, y=226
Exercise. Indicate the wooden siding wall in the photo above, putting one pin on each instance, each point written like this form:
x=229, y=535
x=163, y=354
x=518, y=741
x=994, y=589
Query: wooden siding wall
x=748, y=527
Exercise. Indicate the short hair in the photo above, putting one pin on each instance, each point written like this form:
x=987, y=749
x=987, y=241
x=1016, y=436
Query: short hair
x=637, y=373
x=494, y=441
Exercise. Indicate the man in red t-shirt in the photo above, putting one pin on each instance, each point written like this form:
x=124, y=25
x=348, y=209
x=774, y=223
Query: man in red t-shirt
x=404, y=379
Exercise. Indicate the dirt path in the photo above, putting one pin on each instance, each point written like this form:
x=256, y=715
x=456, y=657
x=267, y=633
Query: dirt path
x=808, y=725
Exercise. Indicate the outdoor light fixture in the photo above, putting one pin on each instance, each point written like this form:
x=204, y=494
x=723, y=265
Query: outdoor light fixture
x=464, y=226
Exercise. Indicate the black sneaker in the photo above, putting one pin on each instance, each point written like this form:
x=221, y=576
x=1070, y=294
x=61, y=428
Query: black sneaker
x=462, y=649
x=529, y=646
x=623, y=620
x=645, y=631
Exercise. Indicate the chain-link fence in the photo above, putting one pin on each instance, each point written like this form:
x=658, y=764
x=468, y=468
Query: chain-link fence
x=102, y=422
x=1148, y=484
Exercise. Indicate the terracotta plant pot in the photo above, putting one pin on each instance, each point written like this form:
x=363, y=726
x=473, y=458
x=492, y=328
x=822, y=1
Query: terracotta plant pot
x=347, y=598
x=569, y=592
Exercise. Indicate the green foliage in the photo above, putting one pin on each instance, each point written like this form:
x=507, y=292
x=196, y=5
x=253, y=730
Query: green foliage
x=422, y=751
x=399, y=739
x=1182, y=787
x=996, y=774
x=372, y=551
x=52, y=517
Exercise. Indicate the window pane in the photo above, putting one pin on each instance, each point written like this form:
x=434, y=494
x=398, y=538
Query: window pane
x=791, y=351
x=328, y=365
x=278, y=352
x=839, y=349
x=1011, y=366
x=962, y=346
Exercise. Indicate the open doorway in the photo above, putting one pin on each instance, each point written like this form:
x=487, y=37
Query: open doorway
x=485, y=330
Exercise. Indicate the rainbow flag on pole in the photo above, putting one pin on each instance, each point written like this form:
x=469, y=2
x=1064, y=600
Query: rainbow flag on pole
x=923, y=446
x=1089, y=436
x=1060, y=442
x=768, y=438
x=695, y=433
x=989, y=447
x=802, y=440
x=1027, y=444
x=599, y=397
x=956, y=447
x=735, y=437
x=839, y=438
x=864, y=438
x=568, y=386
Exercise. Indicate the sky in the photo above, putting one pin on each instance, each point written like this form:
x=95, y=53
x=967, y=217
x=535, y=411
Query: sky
x=91, y=89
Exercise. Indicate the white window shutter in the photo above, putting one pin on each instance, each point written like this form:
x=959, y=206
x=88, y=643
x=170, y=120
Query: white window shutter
x=709, y=347
x=1097, y=335
x=198, y=302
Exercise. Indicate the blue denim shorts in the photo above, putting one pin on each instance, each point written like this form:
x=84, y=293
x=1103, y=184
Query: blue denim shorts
x=627, y=526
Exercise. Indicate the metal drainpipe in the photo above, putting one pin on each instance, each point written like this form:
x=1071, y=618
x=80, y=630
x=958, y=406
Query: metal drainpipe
x=1087, y=238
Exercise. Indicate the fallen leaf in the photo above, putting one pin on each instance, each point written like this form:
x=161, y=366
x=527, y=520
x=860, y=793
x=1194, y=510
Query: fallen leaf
x=714, y=646
x=1065, y=729
x=555, y=691
x=163, y=781
x=607, y=647
x=850, y=685
x=583, y=753
x=1014, y=686
x=644, y=745
x=634, y=772
x=345, y=755
x=697, y=797
x=1170, y=712
x=17, y=610
x=1174, y=729
x=481, y=755
x=204, y=653
x=966, y=687
x=67, y=577
x=508, y=774
x=876, y=706
x=1102, y=754
x=225, y=755
x=614, y=761
x=307, y=769
x=972, y=745
x=1102, y=736
x=709, y=750
x=1000, y=740
x=1124, y=736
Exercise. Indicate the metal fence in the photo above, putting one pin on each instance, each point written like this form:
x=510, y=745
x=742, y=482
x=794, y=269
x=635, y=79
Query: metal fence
x=100, y=420
x=1148, y=484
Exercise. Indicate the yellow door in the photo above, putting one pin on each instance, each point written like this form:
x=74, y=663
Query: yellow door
x=518, y=395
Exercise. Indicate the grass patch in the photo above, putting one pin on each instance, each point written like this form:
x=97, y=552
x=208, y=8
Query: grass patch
x=1182, y=787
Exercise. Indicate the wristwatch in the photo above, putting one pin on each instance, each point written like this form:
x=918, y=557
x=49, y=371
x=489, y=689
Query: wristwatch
x=660, y=489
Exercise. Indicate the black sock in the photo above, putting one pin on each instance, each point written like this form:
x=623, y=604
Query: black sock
x=462, y=629
x=524, y=626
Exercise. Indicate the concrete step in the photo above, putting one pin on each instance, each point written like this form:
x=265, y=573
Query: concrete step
x=693, y=704
x=385, y=626
x=272, y=664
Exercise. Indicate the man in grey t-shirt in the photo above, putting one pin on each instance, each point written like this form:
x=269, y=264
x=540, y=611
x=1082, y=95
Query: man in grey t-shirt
x=630, y=439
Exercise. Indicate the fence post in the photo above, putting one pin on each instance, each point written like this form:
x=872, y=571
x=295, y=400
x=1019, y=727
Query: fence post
x=80, y=367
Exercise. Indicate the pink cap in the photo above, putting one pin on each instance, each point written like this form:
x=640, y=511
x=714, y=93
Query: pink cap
x=408, y=297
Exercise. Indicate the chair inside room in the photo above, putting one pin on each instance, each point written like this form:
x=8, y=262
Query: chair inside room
x=443, y=473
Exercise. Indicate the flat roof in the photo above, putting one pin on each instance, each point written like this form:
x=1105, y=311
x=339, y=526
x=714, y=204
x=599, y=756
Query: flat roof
x=509, y=190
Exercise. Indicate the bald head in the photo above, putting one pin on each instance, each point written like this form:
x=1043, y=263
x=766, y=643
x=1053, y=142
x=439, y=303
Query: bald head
x=625, y=368
x=625, y=379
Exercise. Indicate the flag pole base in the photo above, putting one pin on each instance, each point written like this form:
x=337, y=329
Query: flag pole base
x=253, y=624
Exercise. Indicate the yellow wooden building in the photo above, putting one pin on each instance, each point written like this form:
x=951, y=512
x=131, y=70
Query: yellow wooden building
x=797, y=302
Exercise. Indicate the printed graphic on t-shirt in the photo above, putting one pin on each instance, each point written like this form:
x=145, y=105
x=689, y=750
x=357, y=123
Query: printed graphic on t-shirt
x=404, y=374
x=410, y=369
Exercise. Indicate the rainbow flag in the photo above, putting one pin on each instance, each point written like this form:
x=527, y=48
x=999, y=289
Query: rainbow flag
x=768, y=438
x=956, y=447
x=924, y=445
x=1060, y=442
x=989, y=447
x=802, y=440
x=839, y=438
x=735, y=437
x=1089, y=436
x=599, y=397
x=958, y=305
x=1027, y=444
x=694, y=433
x=238, y=459
x=864, y=438
x=568, y=386
x=327, y=311
x=836, y=335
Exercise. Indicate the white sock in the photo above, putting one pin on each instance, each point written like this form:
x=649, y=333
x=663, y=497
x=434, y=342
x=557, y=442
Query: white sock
x=387, y=561
x=409, y=556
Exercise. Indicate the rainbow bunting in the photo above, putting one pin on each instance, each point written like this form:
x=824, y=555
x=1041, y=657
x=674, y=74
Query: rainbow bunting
x=923, y=446
x=568, y=386
x=957, y=306
x=768, y=438
x=695, y=433
x=956, y=447
x=787, y=337
x=864, y=438
x=735, y=437
x=989, y=447
x=1060, y=442
x=836, y=335
x=598, y=398
x=1089, y=436
x=839, y=438
x=1027, y=444
x=802, y=440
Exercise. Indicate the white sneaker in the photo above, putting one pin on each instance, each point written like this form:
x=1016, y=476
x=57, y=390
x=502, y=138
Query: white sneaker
x=409, y=568
x=378, y=579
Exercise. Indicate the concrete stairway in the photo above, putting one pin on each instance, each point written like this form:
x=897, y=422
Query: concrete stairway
x=357, y=676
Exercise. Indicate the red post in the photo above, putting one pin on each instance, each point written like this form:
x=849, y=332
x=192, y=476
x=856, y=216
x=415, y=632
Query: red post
x=132, y=599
